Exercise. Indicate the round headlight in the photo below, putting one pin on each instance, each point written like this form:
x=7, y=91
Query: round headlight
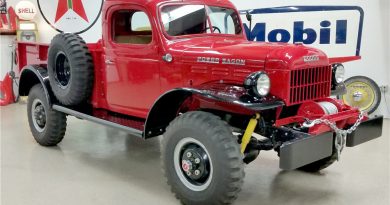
x=263, y=85
x=258, y=84
x=339, y=73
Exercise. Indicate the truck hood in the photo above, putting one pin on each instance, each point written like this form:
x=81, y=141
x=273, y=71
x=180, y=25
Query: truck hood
x=240, y=52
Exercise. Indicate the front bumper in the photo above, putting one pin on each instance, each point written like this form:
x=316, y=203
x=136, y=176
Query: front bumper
x=304, y=149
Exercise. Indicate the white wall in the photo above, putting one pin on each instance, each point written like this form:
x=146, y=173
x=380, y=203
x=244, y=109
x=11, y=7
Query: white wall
x=5, y=55
x=375, y=50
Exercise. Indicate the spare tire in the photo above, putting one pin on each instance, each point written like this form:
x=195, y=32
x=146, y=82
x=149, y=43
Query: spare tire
x=363, y=93
x=70, y=69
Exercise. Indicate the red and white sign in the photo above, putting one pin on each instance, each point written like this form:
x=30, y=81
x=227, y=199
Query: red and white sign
x=74, y=16
x=26, y=10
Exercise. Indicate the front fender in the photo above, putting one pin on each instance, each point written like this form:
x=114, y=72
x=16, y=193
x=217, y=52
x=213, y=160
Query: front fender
x=228, y=98
x=32, y=75
x=232, y=97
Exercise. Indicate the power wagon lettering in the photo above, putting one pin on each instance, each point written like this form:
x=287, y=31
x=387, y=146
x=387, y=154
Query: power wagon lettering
x=208, y=60
x=224, y=61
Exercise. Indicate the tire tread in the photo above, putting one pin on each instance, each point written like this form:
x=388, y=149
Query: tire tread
x=56, y=122
x=219, y=129
x=81, y=62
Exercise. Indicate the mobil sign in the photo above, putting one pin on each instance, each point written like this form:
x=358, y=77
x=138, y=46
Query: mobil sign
x=337, y=30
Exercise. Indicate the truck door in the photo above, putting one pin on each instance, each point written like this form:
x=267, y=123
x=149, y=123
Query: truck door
x=132, y=63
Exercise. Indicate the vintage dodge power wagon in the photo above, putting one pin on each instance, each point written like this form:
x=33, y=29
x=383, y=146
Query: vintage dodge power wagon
x=185, y=70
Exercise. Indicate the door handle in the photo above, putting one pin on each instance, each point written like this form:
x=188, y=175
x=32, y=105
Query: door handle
x=109, y=62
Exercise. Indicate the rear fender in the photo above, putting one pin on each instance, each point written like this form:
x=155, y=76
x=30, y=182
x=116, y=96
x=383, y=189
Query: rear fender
x=32, y=75
x=216, y=96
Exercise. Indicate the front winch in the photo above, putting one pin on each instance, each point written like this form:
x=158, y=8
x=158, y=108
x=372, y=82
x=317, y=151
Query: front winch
x=329, y=108
x=316, y=109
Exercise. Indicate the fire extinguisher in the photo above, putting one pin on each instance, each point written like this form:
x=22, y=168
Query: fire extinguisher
x=7, y=85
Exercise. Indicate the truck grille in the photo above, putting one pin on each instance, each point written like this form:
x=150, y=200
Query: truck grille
x=310, y=84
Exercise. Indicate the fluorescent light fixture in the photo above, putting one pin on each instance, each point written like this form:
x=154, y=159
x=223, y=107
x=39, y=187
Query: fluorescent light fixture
x=27, y=26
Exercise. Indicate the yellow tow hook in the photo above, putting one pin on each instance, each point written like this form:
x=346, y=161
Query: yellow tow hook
x=249, y=132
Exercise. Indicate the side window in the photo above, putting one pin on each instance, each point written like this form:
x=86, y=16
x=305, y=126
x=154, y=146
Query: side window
x=223, y=21
x=229, y=25
x=131, y=27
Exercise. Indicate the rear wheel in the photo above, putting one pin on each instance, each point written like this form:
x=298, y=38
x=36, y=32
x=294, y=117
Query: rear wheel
x=47, y=126
x=202, y=160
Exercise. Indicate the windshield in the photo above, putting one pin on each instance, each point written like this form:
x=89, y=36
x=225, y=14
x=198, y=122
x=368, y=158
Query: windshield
x=199, y=19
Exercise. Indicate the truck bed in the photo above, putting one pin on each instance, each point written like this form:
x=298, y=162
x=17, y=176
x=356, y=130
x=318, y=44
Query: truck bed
x=37, y=54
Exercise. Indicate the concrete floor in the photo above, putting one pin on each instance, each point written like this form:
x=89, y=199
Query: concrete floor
x=97, y=165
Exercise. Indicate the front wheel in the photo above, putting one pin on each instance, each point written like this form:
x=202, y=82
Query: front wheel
x=202, y=160
x=47, y=126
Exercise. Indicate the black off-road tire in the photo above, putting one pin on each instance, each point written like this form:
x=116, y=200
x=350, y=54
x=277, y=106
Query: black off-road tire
x=54, y=129
x=224, y=151
x=70, y=68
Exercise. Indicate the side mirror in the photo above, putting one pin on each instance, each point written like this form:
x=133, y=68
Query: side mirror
x=248, y=16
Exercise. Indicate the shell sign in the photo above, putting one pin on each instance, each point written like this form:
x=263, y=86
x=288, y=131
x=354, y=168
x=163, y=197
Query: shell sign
x=26, y=10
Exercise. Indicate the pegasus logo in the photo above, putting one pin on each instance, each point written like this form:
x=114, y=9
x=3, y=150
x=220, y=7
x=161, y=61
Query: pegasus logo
x=71, y=16
x=65, y=5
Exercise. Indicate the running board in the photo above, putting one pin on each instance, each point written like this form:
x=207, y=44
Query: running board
x=126, y=124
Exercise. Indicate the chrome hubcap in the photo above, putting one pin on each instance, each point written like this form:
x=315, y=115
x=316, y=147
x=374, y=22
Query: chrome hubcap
x=357, y=96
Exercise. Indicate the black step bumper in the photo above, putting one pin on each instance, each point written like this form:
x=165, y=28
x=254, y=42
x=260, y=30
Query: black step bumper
x=305, y=149
x=368, y=130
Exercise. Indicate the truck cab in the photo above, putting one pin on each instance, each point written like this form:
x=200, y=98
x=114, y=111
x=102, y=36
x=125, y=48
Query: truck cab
x=185, y=70
x=147, y=45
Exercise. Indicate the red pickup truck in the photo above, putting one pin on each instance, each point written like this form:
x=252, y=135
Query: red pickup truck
x=185, y=70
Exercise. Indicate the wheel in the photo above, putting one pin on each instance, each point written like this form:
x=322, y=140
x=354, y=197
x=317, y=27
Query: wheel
x=70, y=69
x=362, y=92
x=202, y=160
x=47, y=126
